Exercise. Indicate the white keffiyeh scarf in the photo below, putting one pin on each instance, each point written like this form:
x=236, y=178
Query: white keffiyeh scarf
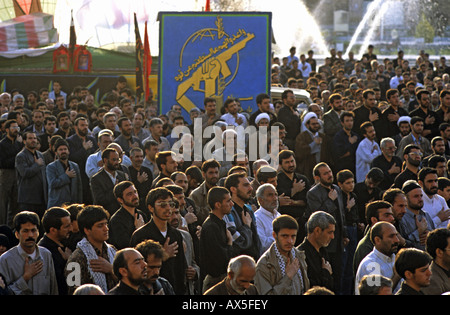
x=282, y=265
x=89, y=252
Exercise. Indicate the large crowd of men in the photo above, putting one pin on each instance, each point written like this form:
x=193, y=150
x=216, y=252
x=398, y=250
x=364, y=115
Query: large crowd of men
x=352, y=196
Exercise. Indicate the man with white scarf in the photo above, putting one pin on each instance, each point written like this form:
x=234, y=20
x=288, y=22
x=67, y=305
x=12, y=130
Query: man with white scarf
x=281, y=270
x=91, y=262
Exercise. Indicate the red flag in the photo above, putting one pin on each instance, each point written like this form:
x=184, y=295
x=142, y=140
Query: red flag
x=147, y=63
x=207, y=7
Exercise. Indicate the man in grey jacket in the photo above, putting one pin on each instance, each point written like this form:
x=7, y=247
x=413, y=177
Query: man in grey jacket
x=31, y=177
x=63, y=178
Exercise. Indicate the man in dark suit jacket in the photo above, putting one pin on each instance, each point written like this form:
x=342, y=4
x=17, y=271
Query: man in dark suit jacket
x=331, y=119
x=326, y=196
x=31, y=178
x=103, y=182
x=64, y=178
x=81, y=145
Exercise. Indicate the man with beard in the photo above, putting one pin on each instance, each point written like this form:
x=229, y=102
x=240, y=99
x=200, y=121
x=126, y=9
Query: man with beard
x=126, y=140
x=293, y=185
x=65, y=128
x=49, y=132
x=388, y=162
x=290, y=118
x=31, y=177
x=102, y=183
x=320, y=232
x=344, y=144
x=131, y=269
x=368, y=149
x=93, y=255
x=326, y=196
x=412, y=156
x=433, y=203
x=82, y=145
x=367, y=112
x=438, y=147
x=57, y=226
x=392, y=114
x=141, y=177
x=160, y=203
x=210, y=171
x=267, y=197
x=385, y=240
x=241, y=272
x=27, y=268
x=282, y=269
x=192, y=270
x=404, y=129
x=241, y=222
x=154, y=254
x=332, y=118
x=10, y=146
x=431, y=120
x=216, y=241
x=128, y=218
x=63, y=178
x=311, y=146
x=416, y=223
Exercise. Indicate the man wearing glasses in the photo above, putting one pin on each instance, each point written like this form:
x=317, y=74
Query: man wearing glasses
x=160, y=203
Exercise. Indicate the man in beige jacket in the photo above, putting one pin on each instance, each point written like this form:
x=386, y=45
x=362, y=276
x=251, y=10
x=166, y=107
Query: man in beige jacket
x=282, y=269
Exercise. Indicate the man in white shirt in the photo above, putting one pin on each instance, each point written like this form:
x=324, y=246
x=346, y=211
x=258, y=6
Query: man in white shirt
x=267, y=197
x=94, y=162
x=434, y=204
x=381, y=260
x=304, y=66
x=368, y=149
x=232, y=117
x=397, y=79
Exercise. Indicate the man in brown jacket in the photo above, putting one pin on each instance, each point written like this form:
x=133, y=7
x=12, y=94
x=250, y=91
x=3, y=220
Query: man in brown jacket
x=438, y=246
x=281, y=270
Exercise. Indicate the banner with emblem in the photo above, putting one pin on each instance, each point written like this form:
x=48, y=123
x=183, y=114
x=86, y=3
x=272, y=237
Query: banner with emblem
x=213, y=54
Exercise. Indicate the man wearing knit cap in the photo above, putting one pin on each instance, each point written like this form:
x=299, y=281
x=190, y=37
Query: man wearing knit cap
x=416, y=223
x=310, y=147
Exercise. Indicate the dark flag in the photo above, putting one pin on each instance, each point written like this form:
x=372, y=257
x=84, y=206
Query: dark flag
x=147, y=63
x=139, y=58
x=72, y=40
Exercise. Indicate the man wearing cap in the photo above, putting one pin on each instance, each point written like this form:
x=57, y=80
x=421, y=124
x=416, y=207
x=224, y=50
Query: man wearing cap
x=404, y=129
x=310, y=147
x=264, y=106
x=416, y=223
